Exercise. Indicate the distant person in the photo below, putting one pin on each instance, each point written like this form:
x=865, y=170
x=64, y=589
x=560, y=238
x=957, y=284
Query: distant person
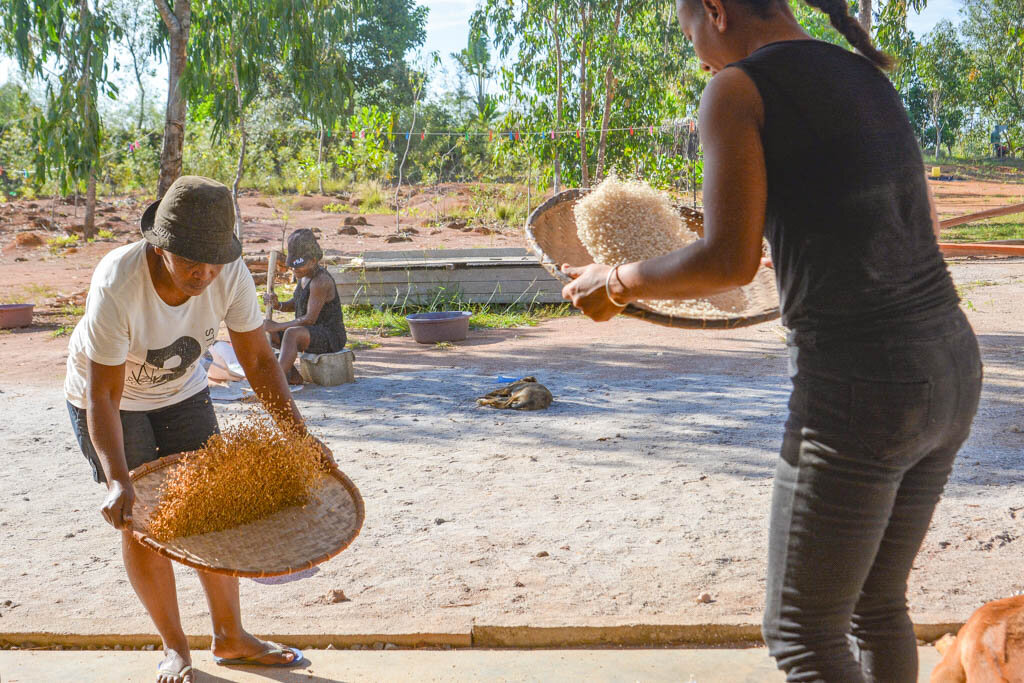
x=808, y=144
x=319, y=326
x=997, y=142
x=136, y=391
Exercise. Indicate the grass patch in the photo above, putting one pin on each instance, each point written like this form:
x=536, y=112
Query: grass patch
x=73, y=310
x=444, y=346
x=1003, y=228
x=62, y=242
x=389, y=321
x=359, y=345
x=13, y=299
x=62, y=331
x=40, y=292
x=1006, y=170
x=339, y=208
x=105, y=235
x=371, y=196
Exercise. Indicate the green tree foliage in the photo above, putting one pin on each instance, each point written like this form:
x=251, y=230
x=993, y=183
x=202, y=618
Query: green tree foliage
x=65, y=42
x=237, y=45
x=587, y=66
x=943, y=66
x=994, y=30
x=381, y=35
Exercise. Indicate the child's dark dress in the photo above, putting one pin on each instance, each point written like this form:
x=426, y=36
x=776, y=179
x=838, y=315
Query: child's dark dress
x=327, y=334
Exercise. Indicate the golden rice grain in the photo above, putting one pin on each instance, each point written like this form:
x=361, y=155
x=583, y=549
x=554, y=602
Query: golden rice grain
x=248, y=472
x=626, y=221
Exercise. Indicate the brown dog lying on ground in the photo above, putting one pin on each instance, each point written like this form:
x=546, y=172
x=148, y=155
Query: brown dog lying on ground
x=989, y=648
x=525, y=394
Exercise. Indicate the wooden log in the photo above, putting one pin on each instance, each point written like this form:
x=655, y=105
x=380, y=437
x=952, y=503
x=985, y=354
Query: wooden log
x=958, y=249
x=981, y=215
x=271, y=269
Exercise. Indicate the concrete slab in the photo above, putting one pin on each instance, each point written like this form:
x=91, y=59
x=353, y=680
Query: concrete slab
x=650, y=666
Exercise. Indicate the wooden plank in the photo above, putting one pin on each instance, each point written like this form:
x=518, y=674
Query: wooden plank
x=504, y=298
x=981, y=215
x=444, y=253
x=957, y=249
x=446, y=276
x=430, y=290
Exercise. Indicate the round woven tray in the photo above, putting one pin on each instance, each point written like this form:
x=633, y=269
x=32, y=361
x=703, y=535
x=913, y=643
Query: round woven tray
x=286, y=542
x=551, y=233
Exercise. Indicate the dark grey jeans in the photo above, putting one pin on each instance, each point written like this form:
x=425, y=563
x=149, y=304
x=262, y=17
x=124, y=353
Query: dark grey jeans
x=873, y=431
x=149, y=435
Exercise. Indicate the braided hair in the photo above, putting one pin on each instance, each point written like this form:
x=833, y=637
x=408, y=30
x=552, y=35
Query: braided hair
x=839, y=15
x=838, y=12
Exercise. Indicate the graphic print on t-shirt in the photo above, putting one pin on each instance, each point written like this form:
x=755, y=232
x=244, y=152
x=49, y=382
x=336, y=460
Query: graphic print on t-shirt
x=167, y=364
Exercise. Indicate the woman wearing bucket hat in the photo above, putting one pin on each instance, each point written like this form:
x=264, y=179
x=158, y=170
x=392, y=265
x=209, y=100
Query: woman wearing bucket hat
x=136, y=391
x=319, y=326
x=809, y=145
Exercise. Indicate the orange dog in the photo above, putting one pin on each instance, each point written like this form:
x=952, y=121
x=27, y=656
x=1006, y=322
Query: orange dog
x=989, y=648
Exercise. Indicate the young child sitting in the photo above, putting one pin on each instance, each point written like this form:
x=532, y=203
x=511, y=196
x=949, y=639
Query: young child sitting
x=318, y=326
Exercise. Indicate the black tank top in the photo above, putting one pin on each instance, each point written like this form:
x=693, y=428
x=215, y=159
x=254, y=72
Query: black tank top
x=848, y=218
x=330, y=314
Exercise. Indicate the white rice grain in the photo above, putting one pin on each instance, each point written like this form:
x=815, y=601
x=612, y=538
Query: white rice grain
x=625, y=221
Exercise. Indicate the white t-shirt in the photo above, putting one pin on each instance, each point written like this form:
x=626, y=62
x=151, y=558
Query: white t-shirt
x=127, y=322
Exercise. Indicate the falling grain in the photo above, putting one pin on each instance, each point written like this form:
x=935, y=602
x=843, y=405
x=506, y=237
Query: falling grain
x=247, y=473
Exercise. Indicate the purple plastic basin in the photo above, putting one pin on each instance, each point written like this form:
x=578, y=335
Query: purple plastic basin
x=443, y=326
x=15, y=315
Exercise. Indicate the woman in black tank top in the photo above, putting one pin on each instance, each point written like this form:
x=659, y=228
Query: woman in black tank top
x=808, y=145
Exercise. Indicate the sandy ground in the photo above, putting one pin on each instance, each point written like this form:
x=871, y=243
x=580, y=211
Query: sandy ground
x=646, y=484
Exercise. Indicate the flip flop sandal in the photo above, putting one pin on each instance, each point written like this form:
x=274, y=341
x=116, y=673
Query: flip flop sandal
x=176, y=675
x=253, y=660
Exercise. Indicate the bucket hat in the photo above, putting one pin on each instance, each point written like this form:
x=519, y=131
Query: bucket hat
x=195, y=219
x=303, y=247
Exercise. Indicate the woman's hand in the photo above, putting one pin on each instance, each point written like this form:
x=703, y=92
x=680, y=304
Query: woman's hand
x=587, y=291
x=117, y=508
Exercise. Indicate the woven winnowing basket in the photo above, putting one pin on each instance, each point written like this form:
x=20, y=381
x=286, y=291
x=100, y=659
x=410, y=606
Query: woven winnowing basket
x=286, y=542
x=551, y=233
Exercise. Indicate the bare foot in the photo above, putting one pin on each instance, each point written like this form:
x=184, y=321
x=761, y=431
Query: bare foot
x=294, y=378
x=248, y=646
x=175, y=668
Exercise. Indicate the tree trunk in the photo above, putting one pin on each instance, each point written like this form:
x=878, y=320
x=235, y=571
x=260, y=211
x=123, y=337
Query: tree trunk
x=610, y=83
x=864, y=16
x=142, y=92
x=936, y=104
x=584, y=110
x=241, y=151
x=177, y=22
x=553, y=23
x=320, y=162
x=86, y=92
x=89, y=231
